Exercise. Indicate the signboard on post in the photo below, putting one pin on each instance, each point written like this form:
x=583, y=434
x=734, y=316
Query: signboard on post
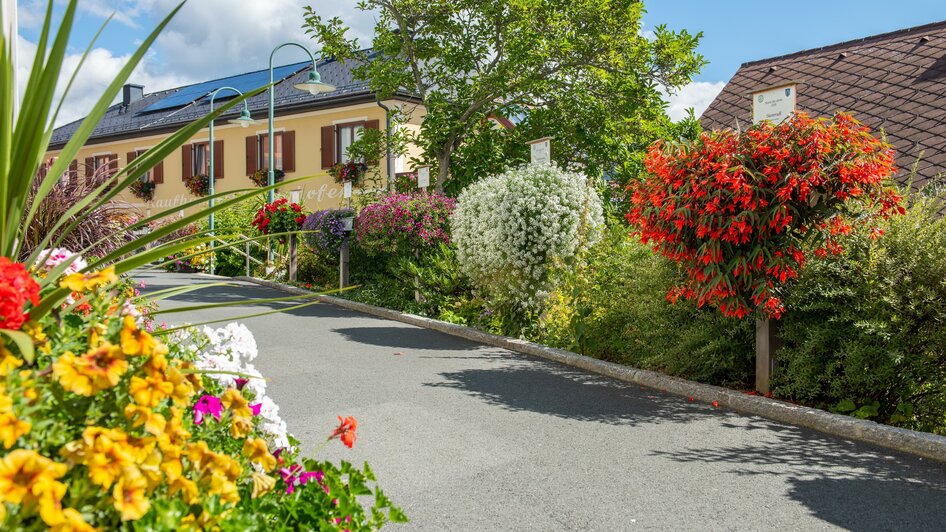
x=423, y=177
x=541, y=150
x=775, y=104
x=347, y=189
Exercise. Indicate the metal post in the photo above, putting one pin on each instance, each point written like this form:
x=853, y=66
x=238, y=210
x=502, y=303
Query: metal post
x=210, y=165
x=293, y=248
x=343, y=264
x=247, y=258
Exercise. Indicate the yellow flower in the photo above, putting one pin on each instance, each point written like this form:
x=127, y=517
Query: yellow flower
x=8, y=361
x=186, y=487
x=40, y=340
x=262, y=484
x=72, y=521
x=234, y=400
x=183, y=387
x=150, y=391
x=134, y=340
x=140, y=415
x=92, y=372
x=240, y=427
x=255, y=449
x=129, y=495
x=224, y=487
x=105, y=452
x=174, y=431
x=171, y=461
x=28, y=478
x=82, y=282
x=12, y=428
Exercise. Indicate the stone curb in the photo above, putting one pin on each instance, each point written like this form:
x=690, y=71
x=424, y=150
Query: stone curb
x=918, y=443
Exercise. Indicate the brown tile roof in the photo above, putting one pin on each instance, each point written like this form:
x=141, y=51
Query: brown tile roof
x=895, y=82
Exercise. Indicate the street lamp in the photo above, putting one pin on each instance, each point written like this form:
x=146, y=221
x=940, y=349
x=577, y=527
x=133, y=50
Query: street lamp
x=313, y=85
x=245, y=120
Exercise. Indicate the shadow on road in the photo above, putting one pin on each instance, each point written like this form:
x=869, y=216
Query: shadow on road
x=851, y=485
x=405, y=338
x=554, y=390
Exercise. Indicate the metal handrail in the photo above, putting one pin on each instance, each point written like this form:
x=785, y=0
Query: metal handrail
x=246, y=254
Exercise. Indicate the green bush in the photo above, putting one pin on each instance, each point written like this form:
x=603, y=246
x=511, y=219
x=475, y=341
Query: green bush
x=616, y=309
x=319, y=269
x=865, y=332
x=228, y=222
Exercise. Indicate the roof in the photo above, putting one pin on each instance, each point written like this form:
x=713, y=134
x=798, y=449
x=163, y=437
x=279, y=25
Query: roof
x=894, y=82
x=138, y=120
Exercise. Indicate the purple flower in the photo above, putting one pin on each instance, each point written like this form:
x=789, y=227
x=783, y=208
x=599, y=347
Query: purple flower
x=207, y=404
x=240, y=383
x=256, y=408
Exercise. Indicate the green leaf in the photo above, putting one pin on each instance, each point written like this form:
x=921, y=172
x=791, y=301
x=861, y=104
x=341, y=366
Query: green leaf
x=23, y=342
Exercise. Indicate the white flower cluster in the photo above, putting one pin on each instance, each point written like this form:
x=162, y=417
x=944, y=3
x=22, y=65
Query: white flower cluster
x=232, y=349
x=511, y=230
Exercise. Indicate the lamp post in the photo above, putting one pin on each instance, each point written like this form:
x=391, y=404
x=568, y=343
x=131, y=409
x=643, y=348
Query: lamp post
x=244, y=121
x=313, y=86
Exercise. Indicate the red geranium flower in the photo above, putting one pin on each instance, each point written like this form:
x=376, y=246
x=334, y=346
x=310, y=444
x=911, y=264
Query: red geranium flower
x=345, y=431
x=16, y=289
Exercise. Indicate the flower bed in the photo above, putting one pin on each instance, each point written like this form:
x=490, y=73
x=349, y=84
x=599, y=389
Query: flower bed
x=108, y=420
x=404, y=221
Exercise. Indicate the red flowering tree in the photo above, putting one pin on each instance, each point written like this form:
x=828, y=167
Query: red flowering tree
x=739, y=211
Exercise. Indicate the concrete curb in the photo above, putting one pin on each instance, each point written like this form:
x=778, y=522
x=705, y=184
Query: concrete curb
x=918, y=443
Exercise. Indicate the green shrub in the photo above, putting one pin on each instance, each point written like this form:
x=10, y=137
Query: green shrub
x=616, y=309
x=320, y=269
x=229, y=222
x=865, y=332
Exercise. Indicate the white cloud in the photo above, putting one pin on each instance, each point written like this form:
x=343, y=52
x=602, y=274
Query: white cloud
x=99, y=70
x=697, y=95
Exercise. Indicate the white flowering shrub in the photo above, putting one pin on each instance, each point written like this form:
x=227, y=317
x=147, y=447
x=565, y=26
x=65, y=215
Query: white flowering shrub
x=226, y=354
x=512, y=230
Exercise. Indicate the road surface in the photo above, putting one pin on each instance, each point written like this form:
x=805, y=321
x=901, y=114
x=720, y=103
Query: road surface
x=471, y=437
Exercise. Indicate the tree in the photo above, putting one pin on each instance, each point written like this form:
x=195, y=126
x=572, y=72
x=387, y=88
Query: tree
x=579, y=70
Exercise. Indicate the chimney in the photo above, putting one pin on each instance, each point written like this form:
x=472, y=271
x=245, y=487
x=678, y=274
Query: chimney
x=132, y=93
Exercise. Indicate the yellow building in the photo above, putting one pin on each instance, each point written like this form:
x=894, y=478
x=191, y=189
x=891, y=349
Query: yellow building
x=312, y=133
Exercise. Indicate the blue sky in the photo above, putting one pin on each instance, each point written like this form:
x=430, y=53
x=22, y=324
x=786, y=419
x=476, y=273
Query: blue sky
x=200, y=44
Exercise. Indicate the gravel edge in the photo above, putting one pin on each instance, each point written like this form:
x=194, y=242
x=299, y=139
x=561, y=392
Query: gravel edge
x=917, y=443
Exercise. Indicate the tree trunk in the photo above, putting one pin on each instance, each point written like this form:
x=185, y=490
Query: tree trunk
x=443, y=168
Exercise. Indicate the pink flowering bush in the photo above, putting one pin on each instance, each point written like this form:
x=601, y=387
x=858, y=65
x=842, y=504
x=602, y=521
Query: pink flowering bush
x=402, y=222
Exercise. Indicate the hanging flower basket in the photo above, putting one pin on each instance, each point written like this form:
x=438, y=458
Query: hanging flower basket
x=143, y=189
x=261, y=177
x=199, y=185
x=277, y=217
x=350, y=171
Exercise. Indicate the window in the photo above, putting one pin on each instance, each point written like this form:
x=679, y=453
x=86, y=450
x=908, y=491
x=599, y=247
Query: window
x=100, y=164
x=200, y=158
x=145, y=177
x=345, y=135
x=262, y=160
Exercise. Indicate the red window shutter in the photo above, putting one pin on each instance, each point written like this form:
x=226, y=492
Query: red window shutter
x=74, y=169
x=289, y=151
x=252, y=154
x=157, y=173
x=187, y=165
x=218, y=159
x=89, y=167
x=112, y=164
x=129, y=158
x=328, y=146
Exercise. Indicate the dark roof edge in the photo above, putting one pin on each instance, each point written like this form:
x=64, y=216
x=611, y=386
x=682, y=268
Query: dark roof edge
x=361, y=97
x=844, y=44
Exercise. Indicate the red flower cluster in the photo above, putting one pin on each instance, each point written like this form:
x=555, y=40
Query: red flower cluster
x=16, y=289
x=279, y=216
x=737, y=210
x=345, y=431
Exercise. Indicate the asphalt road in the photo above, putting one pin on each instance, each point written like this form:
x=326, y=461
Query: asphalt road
x=471, y=437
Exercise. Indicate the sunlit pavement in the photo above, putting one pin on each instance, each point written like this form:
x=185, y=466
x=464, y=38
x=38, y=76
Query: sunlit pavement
x=471, y=437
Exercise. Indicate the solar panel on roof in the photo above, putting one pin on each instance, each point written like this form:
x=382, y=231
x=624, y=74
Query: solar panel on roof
x=243, y=82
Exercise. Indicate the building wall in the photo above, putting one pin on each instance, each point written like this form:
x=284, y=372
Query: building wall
x=318, y=191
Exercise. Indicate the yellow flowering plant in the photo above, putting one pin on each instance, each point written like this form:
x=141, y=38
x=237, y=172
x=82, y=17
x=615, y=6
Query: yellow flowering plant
x=114, y=424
